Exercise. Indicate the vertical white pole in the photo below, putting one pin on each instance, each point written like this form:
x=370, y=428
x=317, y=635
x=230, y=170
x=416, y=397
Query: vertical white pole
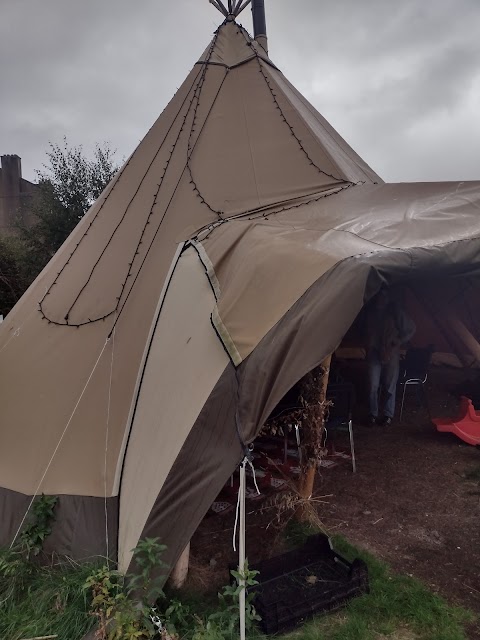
x=241, y=550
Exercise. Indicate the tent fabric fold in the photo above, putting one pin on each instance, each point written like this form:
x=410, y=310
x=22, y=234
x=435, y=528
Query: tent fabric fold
x=228, y=257
x=306, y=242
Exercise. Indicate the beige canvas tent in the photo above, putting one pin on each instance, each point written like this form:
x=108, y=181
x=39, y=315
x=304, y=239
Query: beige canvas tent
x=226, y=259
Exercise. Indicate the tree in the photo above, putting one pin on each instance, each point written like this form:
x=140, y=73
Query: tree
x=313, y=398
x=12, y=280
x=68, y=185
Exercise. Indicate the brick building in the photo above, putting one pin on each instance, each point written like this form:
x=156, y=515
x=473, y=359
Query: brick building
x=16, y=193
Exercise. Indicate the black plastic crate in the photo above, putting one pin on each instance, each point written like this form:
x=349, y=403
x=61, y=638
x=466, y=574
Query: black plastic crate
x=304, y=582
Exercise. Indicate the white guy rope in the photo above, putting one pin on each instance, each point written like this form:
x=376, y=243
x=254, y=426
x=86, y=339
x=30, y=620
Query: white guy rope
x=245, y=461
x=254, y=476
x=107, y=540
x=237, y=510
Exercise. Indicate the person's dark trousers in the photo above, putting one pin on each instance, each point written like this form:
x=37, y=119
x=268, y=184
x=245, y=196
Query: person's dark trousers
x=382, y=375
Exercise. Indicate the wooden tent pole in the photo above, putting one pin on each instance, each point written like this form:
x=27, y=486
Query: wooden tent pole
x=453, y=329
x=464, y=336
x=313, y=391
x=180, y=570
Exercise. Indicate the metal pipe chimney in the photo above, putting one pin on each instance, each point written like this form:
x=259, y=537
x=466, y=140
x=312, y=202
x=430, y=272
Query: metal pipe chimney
x=259, y=23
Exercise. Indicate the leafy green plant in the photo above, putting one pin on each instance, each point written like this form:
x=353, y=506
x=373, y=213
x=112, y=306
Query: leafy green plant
x=122, y=603
x=184, y=621
x=230, y=599
x=178, y=615
x=16, y=570
x=147, y=583
x=39, y=528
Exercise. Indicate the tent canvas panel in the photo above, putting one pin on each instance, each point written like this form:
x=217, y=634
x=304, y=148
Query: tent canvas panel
x=45, y=422
x=79, y=529
x=269, y=164
x=317, y=322
x=231, y=49
x=208, y=457
x=306, y=241
x=185, y=360
x=311, y=127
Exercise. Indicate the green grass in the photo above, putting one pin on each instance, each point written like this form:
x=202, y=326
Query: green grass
x=296, y=533
x=397, y=606
x=37, y=601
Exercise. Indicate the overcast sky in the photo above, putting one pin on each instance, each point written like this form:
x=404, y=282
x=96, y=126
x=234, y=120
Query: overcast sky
x=399, y=79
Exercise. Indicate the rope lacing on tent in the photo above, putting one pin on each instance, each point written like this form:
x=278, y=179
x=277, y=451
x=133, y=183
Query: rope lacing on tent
x=254, y=214
x=44, y=316
x=205, y=232
x=105, y=467
x=198, y=92
x=248, y=39
x=192, y=110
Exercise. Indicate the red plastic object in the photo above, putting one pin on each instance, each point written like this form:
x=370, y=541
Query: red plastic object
x=466, y=426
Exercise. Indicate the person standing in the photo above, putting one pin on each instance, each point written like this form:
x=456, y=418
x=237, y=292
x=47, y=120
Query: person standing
x=388, y=328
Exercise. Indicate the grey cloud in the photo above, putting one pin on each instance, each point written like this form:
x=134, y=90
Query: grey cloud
x=399, y=80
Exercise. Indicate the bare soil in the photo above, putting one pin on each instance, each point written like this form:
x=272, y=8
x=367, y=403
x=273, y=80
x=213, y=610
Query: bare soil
x=410, y=503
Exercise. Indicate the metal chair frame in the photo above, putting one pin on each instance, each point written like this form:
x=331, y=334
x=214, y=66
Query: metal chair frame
x=349, y=426
x=415, y=380
x=341, y=422
x=418, y=382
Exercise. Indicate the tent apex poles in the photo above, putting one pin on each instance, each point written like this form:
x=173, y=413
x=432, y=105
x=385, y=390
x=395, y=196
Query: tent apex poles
x=235, y=7
x=218, y=4
x=240, y=6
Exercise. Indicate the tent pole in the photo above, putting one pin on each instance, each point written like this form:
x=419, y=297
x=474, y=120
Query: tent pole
x=468, y=341
x=452, y=328
x=260, y=23
x=241, y=551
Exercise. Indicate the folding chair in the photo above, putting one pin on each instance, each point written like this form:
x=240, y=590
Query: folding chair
x=341, y=396
x=414, y=371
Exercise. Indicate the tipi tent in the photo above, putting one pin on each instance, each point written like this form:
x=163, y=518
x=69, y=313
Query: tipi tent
x=226, y=259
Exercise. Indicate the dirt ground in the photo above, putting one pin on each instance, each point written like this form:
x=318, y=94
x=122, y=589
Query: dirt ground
x=410, y=503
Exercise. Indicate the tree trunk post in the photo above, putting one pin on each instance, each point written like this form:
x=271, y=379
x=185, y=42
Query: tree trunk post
x=180, y=570
x=313, y=394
